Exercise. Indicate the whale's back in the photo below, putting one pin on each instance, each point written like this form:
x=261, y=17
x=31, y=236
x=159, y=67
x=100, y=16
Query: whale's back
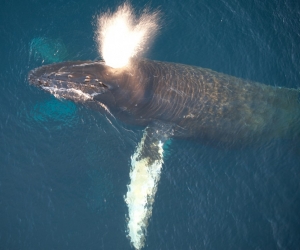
x=215, y=106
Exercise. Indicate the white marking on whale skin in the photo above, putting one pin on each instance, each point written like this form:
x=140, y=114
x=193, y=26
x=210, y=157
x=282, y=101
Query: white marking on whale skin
x=76, y=94
x=106, y=109
x=89, y=63
x=144, y=177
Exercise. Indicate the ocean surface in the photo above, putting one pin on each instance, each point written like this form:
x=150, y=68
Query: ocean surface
x=64, y=168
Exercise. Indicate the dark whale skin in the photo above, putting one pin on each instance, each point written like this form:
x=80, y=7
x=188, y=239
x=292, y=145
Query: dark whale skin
x=211, y=106
x=198, y=103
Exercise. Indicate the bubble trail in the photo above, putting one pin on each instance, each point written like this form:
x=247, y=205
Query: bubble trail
x=123, y=35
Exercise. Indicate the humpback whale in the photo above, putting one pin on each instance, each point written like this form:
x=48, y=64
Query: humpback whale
x=190, y=102
x=173, y=101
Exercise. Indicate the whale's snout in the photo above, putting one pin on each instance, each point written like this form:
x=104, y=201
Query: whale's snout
x=36, y=77
x=77, y=81
x=43, y=75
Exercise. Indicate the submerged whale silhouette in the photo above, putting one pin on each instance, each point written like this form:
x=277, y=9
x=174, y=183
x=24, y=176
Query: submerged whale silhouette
x=173, y=100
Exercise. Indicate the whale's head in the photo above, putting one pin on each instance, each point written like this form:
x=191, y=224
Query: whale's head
x=91, y=82
x=77, y=81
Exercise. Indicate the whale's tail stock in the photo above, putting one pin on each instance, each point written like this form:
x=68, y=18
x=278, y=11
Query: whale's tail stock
x=281, y=113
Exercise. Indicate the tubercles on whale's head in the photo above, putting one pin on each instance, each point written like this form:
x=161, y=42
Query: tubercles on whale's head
x=76, y=81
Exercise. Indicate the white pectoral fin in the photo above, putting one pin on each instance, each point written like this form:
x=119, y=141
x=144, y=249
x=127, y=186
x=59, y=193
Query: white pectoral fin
x=146, y=165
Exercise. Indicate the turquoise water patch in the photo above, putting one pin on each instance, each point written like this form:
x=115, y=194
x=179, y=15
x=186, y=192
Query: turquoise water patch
x=166, y=149
x=56, y=112
x=48, y=50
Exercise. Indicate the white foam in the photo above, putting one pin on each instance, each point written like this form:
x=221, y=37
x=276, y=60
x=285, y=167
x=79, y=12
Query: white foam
x=144, y=177
x=122, y=35
x=71, y=93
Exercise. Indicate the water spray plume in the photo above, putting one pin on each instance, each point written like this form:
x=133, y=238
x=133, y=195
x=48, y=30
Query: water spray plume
x=123, y=35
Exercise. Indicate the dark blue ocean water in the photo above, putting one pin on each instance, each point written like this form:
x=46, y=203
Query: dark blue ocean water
x=64, y=168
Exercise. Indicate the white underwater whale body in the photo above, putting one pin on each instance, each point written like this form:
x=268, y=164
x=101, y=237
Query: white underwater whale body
x=173, y=101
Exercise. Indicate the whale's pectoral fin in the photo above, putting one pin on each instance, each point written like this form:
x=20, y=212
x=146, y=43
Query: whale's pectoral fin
x=154, y=135
x=146, y=165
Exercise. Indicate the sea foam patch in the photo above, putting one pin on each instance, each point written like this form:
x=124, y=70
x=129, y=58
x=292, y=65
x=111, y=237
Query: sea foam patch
x=71, y=93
